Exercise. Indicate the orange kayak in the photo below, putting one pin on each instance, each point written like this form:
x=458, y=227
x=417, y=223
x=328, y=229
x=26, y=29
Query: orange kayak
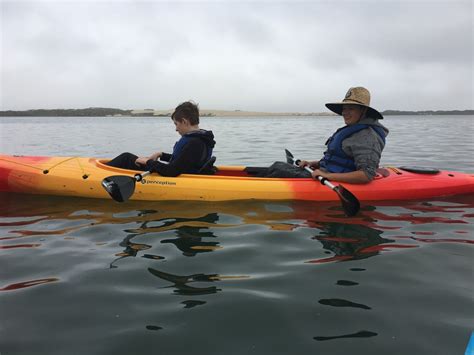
x=82, y=177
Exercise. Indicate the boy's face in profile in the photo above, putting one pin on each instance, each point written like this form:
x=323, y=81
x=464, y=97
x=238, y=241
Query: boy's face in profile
x=182, y=126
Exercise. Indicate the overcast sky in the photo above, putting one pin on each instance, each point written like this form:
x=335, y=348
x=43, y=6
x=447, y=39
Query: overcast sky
x=247, y=55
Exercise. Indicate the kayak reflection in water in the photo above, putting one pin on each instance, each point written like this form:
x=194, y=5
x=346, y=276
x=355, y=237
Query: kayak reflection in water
x=181, y=283
x=350, y=241
x=132, y=249
x=353, y=152
x=190, y=238
x=190, y=232
x=192, y=154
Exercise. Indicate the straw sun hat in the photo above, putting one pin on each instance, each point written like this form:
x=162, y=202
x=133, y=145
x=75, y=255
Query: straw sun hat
x=356, y=96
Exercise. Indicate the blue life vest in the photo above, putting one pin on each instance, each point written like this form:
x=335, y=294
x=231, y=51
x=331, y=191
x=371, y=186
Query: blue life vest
x=335, y=160
x=179, y=146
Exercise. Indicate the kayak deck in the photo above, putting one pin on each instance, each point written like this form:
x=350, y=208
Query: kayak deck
x=78, y=176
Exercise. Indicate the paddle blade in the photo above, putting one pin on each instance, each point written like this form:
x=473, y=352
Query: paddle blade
x=119, y=187
x=289, y=157
x=350, y=203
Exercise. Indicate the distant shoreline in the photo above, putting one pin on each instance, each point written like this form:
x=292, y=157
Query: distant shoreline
x=113, y=112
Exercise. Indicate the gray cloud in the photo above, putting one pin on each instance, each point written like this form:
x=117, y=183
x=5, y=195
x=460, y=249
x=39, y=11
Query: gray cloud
x=285, y=56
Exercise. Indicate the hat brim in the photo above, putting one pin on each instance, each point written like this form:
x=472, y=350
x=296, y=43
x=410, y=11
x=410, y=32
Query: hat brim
x=336, y=107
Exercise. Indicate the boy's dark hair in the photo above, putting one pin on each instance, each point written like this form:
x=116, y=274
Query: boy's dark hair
x=188, y=110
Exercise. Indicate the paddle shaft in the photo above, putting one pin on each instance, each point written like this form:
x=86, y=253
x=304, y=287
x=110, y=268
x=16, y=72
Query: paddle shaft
x=323, y=180
x=320, y=178
x=139, y=177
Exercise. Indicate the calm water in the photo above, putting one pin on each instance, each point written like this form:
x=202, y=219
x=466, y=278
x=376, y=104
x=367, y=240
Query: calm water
x=80, y=276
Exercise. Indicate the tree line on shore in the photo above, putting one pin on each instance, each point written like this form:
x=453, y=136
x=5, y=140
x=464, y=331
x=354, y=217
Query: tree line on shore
x=103, y=112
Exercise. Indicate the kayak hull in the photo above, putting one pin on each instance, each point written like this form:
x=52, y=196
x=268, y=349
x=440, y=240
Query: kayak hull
x=82, y=177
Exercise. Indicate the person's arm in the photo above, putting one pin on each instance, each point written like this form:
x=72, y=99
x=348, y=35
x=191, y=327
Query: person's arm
x=190, y=157
x=312, y=164
x=354, y=177
x=141, y=161
x=165, y=156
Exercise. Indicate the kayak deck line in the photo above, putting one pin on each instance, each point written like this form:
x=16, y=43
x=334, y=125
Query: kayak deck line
x=47, y=170
x=15, y=162
x=82, y=177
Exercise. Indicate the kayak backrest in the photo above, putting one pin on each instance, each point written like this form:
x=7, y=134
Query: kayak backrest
x=208, y=168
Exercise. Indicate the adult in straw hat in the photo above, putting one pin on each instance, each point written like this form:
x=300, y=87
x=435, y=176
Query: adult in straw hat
x=353, y=151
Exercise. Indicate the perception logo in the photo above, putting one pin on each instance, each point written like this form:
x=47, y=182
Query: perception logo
x=153, y=182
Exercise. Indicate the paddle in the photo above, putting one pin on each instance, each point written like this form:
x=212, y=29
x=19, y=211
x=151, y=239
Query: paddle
x=121, y=187
x=350, y=203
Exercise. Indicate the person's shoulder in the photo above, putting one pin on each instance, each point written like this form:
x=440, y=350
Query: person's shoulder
x=194, y=140
x=363, y=135
x=364, y=130
x=203, y=137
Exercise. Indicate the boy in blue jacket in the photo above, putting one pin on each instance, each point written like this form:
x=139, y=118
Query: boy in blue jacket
x=189, y=155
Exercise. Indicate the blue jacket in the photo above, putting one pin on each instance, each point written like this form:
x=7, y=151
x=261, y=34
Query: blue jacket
x=335, y=160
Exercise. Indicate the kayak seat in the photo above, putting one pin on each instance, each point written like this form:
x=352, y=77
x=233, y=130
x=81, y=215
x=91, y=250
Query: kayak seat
x=208, y=168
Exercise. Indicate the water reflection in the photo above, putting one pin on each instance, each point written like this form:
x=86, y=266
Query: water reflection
x=181, y=283
x=192, y=303
x=347, y=238
x=346, y=283
x=196, y=228
x=351, y=241
x=25, y=284
x=153, y=327
x=336, y=302
x=360, y=334
x=132, y=249
x=16, y=246
x=190, y=234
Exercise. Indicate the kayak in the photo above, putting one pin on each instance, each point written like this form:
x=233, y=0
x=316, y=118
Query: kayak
x=83, y=177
